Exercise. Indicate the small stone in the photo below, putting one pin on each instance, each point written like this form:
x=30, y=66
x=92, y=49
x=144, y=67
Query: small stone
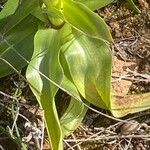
x=130, y=127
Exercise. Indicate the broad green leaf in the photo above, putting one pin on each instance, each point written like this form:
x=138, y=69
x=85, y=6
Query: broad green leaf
x=9, y=8
x=83, y=19
x=46, y=60
x=52, y=3
x=18, y=41
x=55, y=17
x=24, y=9
x=76, y=111
x=133, y=6
x=123, y=105
x=95, y=4
x=89, y=63
x=39, y=13
x=73, y=116
x=16, y=34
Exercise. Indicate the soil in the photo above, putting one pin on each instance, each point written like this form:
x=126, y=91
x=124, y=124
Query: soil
x=131, y=74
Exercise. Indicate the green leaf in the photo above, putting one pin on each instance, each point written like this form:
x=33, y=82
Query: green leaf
x=52, y=3
x=73, y=117
x=66, y=45
x=95, y=4
x=39, y=13
x=89, y=63
x=9, y=8
x=18, y=41
x=24, y=9
x=16, y=36
x=55, y=16
x=45, y=59
x=83, y=19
